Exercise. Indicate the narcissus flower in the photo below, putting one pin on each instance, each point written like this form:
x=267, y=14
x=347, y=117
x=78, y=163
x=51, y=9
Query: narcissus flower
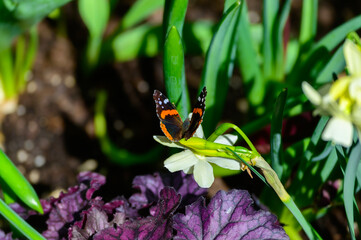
x=200, y=165
x=341, y=100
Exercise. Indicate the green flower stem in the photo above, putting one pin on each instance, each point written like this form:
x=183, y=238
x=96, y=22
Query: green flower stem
x=224, y=127
x=20, y=224
x=277, y=186
x=6, y=73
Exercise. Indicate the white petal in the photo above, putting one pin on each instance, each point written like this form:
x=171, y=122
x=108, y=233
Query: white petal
x=199, y=132
x=225, y=163
x=188, y=170
x=227, y=139
x=339, y=131
x=352, y=55
x=203, y=174
x=311, y=93
x=355, y=89
x=166, y=142
x=180, y=161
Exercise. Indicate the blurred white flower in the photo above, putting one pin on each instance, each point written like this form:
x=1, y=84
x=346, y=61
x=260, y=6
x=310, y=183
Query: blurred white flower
x=341, y=100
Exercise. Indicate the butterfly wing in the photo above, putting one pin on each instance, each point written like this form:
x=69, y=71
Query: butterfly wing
x=170, y=121
x=197, y=114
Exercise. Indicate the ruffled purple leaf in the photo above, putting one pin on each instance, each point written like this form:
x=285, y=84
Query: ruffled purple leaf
x=227, y=216
x=6, y=236
x=62, y=210
x=156, y=226
x=151, y=185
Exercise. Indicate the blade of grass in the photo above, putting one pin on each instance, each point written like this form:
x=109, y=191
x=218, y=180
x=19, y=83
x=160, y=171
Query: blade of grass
x=19, y=223
x=278, y=40
x=248, y=62
x=276, y=134
x=270, y=9
x=18, y=184
x=349, y=186
x=174, y=14
x=219, y=65
x=174, y=72
x=308, y=24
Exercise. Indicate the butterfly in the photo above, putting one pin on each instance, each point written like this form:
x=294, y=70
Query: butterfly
x=171, y=123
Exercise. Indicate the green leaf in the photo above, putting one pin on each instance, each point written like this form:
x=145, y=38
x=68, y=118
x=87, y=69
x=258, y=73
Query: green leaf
x=219, y=66
x=320, y=54
x=270, y=9
x=174, y=72
x=139, y=11
x=276, y=134
x=308, y=24
x=19, y=223
x=174, y=14
x=278, y=41
x=248, y=61
x=349, y=186
x=19, y=17
x=95, y=14
x=15, y=181
x=335, y=65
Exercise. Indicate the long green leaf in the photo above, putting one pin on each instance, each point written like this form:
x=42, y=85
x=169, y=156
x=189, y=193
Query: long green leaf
x=248, y=62
x=349, y=186
x=278, y=40
x=11, y=176
x=335, y=65
x=174, y=72
x=139, y=11
x=174, y=14
x=270, y=9
x=276, y=134
x=219, y=66
x=19, y=223
x=308, y=24
x=95, y=14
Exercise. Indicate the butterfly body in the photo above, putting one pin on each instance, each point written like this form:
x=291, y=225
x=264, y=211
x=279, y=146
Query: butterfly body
x=170, y=121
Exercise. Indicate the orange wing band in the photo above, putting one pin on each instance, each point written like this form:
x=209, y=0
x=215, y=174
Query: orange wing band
x=165, y=113
x=165, y=131
x=198, y=110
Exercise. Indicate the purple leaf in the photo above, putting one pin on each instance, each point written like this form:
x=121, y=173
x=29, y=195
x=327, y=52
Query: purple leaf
x=6, y=236
x=156, y=226
x=227, y=216
x=63, y=209
x=151, y=185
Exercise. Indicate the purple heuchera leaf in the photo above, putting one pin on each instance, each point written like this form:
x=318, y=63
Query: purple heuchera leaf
x=156, y=226
x=62, y=209
x=227, y=216
x=6, y=236
x=151, y=185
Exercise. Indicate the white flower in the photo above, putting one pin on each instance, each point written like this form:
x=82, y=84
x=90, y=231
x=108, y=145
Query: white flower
x=341, y=100
x=190, y=162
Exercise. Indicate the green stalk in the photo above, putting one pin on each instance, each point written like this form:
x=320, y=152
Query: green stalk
x=224, y=127
x=20, y=224
x=6, y=73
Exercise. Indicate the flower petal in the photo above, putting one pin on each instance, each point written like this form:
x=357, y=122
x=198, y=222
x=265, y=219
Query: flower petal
x=166, y=142
x=225, y=163
x=203, y=174
x=180, y=161
x=352, y=55
x=227, y=139
x=199, y=132
x=311, y=93
x=339, y=131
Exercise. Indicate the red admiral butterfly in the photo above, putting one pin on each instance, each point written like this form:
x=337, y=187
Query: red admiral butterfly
x=170, y=122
